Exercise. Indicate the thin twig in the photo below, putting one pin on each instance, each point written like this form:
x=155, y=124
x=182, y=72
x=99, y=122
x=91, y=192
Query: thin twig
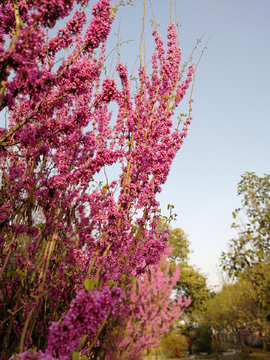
x=143, y=18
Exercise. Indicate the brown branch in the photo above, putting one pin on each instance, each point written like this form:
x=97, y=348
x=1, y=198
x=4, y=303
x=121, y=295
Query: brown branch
x=72, y=61
x=19, y=23
x=142, y=34
x=25, y=329
x=93, y=343
x=5, y=263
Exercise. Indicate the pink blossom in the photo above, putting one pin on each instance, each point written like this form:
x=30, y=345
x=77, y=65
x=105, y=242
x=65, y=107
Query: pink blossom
x=58, y=226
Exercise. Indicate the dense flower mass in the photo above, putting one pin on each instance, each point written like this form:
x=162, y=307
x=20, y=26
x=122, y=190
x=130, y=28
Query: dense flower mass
x=149, y=314
x=58, y=225
x=85, y=316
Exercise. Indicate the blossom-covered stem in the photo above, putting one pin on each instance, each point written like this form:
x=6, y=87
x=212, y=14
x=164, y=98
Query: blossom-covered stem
x=15, y=37
x=148, y=315
x=94, y=341
x=6, y=262
x=25, y=328
x=59, y=228
x=72, y=60
x=93, y=261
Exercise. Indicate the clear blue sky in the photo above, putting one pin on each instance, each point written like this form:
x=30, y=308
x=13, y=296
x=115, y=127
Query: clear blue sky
x=230, y=131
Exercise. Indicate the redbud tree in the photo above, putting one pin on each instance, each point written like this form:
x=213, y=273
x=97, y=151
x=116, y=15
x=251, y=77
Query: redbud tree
x=147, y=316
x=66, y=244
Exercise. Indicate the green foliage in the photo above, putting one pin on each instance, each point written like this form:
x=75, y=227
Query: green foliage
x=253, y=245
x=193, y=284
x=90, y=284
x=180, y=244
x=203, y=339
x=234, y=307
x=249, y=255
x=174, y=342
x=178, y=241
x=259, y=277
x=77, y=356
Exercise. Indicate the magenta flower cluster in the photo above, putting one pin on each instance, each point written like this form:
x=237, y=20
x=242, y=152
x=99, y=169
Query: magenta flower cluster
x=58, y=226
x=86, y=314
x=150, y=314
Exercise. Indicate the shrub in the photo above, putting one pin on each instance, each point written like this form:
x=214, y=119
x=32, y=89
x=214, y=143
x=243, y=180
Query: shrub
x=203, y=339
x=175, y=343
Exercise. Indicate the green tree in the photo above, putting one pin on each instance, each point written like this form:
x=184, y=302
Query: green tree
x=203, y=339
x=249, y=255
x=253, y=245
x=180, y=244
x=235, y=308
x=191, y=283
x=178, y=241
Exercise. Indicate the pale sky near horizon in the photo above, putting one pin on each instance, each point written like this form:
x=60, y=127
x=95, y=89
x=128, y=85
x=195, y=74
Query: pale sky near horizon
x=229, y=134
